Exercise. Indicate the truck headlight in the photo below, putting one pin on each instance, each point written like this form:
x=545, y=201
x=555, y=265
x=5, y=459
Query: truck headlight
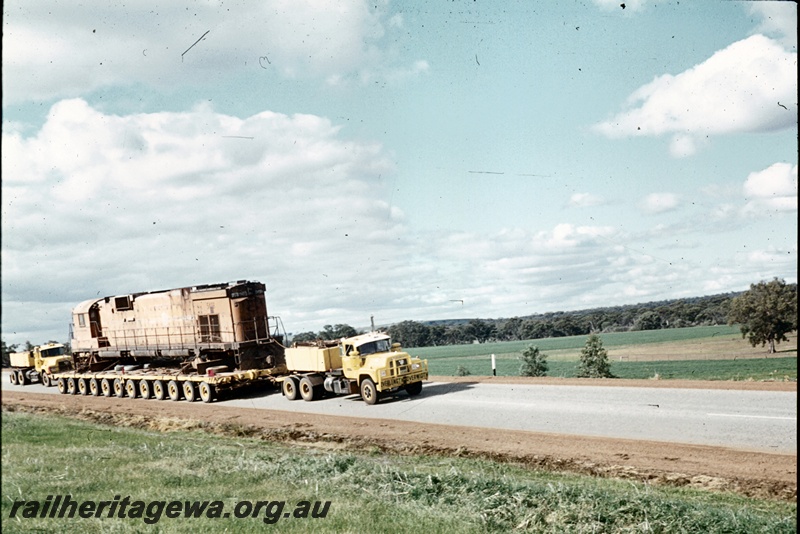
x=383, y=373
x=415, y=366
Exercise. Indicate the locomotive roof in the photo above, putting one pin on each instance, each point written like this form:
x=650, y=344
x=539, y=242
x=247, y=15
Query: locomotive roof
x=84, y=306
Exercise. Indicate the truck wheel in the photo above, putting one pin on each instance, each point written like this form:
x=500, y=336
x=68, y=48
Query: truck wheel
x=94, y=387
x=368, y=391
x=13, y=378
x=106, y=388
x=159, y=392
x=307, y=389
x=206, y=392
x=174, y=390
x=290, y=388
x=62, y=385
x=23, y=379
x=189, y=391
x=72, y=386
x=130, y=389
x=83, y=388
x=119, y=388
x=46, y=382
x=145, y=389
x=414, y=389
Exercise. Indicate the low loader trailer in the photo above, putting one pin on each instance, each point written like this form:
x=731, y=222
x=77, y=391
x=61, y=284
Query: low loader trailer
x=159, y=383
x=368, y=364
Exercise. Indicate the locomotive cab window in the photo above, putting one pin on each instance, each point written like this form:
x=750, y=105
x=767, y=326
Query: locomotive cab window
x=209, y=328
x=122, y=303
x=81, y=320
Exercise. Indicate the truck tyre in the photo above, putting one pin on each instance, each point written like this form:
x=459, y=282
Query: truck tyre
x=72, y=386
x=290, y=388
x=145, y=389
x=119, y=387
x=159, y=391
x=94, y=387
x=14, y=378
x=46, y=382
x=206, y=392
x=130, y=389
x=23, y=379
x=83, y=387
x=106, y=388
x=307, y=390
x=414, y=389
x=174, y=390
x=62, y=385
x=368, y=391
x=189, y=391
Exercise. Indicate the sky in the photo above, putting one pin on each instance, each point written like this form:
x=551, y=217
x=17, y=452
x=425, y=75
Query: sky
x=416, y=160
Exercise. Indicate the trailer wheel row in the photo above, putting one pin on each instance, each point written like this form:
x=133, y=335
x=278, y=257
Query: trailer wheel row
x=143, y=388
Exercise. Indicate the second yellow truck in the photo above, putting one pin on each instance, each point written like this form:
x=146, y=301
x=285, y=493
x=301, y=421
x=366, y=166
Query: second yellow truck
x=368, y=364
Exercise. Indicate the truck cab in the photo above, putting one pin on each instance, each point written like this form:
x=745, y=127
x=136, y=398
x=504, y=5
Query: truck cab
x=369, y=364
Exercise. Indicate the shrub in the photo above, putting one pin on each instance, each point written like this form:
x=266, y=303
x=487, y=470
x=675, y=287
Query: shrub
x=594, y=360
x=462, y=371
x=534, y=363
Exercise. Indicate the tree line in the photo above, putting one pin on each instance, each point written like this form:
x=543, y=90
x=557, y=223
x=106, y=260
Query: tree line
x=766, y=312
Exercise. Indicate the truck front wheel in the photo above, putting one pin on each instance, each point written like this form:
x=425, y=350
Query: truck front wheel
x=290, y=388
x=368, y=391
x=414, y=389
x=46, y=382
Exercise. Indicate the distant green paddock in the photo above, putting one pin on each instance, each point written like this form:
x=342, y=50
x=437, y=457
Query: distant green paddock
x=749, y=369
x=698, y=353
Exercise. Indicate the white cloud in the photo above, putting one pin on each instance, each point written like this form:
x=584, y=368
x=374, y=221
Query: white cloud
x=660, y=203
x=750, y=86
x=778, y=19
x=62, y=50
x=585, y=200
x=100, y=204
x=771, y=189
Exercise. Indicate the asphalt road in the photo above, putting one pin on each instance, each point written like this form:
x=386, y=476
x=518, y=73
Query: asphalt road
x=754, y=420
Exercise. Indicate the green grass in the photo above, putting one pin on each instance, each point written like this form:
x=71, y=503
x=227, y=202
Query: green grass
x=698, y=353
x=575, y=343
x=750, y=369
x=48, y=455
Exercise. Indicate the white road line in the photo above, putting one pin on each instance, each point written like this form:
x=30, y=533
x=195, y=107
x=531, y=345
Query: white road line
x=754, y=416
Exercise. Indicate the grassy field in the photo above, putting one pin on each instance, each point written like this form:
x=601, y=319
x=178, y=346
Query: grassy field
x=369, y=492
x=699, y=353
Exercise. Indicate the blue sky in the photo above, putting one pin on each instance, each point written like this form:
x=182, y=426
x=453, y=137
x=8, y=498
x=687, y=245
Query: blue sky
x=404, y=160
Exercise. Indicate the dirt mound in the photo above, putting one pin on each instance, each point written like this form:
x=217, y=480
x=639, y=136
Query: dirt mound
x=750, y=473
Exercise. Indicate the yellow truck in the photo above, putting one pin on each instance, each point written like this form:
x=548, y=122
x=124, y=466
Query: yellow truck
x=39, y=364
x=368, y=364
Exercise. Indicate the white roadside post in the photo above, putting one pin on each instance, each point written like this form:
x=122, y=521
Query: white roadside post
x=494, y=366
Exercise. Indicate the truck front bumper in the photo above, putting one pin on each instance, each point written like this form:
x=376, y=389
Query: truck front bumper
x=392, y=382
